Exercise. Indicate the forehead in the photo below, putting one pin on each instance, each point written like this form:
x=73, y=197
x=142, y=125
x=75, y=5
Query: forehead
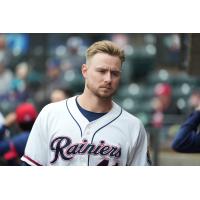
x=103, y=59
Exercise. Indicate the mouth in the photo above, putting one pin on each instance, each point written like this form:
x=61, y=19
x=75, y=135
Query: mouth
x=107, y=88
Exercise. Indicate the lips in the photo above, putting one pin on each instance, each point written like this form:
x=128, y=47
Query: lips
x=108, y=88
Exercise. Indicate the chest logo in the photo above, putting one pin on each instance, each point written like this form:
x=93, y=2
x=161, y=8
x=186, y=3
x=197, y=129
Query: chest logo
x=63, y=147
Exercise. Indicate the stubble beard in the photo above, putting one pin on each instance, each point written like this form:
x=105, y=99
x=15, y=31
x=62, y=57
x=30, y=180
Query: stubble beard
x=97, y=93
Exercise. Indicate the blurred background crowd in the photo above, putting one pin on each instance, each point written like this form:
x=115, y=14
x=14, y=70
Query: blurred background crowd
x=160, y=84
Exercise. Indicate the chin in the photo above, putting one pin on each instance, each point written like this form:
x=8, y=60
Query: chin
x=102, y=93
x=105, y=95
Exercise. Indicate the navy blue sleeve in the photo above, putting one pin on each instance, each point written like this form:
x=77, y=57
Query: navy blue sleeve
x=4, y=147
x=187, y=139
x=19, y=142
x=2, y=131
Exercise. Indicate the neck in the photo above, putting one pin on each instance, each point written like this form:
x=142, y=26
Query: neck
x=92, y=103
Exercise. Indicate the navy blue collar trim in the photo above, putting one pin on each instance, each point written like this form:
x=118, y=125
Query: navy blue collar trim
x=74, y=118
x=90, y=116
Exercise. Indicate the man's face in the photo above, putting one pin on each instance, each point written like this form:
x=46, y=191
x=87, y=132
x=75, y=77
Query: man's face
x=102, y=75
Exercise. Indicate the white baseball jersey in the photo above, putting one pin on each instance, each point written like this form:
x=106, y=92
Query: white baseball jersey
x=61, y=135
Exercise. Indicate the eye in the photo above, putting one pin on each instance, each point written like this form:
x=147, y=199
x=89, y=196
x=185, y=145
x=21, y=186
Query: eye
x=115, y=73
x=102, y=71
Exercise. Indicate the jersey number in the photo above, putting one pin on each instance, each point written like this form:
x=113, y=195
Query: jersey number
x=105, y=163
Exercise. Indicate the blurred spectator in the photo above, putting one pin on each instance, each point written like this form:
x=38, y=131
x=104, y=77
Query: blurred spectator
x=53, y=80
x=19, y=83
x=165, y=113
x=194, y=100
x=74, y=57
x=59, y=95
x=123, y=41
x=12, y=149
x=187, y=139
x=163, y=104
x=173, y=45
x=6, y=76
x=54, y=74
x=5, y=52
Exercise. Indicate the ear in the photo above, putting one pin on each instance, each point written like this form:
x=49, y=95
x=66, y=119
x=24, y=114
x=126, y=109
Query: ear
x=84, y=70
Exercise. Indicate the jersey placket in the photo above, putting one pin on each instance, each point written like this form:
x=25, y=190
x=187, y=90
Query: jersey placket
x=86, y=135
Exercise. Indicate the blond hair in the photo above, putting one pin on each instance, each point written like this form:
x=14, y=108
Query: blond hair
x=107, y=47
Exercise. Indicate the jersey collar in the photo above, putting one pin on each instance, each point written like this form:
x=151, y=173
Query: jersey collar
x=114, y=113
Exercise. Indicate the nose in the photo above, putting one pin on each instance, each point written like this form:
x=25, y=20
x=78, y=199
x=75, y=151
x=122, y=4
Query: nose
x=108, y=77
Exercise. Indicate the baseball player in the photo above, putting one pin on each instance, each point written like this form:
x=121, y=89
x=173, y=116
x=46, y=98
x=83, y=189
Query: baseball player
x=90, y=129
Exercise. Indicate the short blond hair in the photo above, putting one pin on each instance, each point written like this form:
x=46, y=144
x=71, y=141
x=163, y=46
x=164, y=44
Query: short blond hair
x=107, y=47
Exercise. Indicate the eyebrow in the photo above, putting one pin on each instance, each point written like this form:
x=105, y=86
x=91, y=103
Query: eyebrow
x=106, y=68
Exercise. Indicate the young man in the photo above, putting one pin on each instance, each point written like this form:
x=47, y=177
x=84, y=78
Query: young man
x=90, y=129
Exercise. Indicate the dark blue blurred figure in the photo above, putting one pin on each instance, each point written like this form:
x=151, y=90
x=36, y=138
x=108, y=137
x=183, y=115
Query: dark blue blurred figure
x=187, y=139
x=2, y=127
x=13, y=148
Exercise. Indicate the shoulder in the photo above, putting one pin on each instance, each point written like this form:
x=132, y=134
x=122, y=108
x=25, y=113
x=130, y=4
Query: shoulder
x=128, y=118
x=53, y=106
x=57, y=106
x=52, y=109
x=56, y=109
